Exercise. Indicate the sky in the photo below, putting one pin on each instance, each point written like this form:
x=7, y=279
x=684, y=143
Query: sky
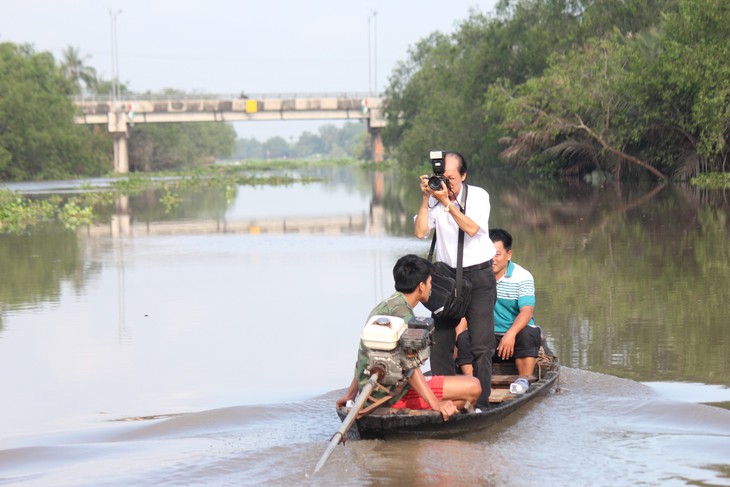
x=231, y=46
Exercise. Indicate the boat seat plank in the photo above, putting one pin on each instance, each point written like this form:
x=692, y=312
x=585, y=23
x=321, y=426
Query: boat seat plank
x=500, y=395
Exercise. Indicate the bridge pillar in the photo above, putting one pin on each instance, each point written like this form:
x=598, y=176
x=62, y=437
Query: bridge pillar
x=121, y=154
x=118, y=129
x=376, y=144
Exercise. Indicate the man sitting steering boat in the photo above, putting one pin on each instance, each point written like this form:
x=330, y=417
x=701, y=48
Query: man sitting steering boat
x=445, y=394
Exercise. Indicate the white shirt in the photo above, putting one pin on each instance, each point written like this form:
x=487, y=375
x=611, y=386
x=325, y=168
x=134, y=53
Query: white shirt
x=477, y=249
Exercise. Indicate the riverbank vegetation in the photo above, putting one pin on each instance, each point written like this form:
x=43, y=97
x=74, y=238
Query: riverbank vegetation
x=20, y=212
x=38, y=137
x=567, y=87
x=331, y=142
x=635, y=88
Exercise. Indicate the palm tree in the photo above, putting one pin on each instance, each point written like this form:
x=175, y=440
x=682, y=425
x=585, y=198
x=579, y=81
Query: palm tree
x=75, y=69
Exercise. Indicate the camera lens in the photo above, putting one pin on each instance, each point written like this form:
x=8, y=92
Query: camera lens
x=434, y=182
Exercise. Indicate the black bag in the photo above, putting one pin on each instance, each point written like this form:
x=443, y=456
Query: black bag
x=448, y=302
x=450, y=290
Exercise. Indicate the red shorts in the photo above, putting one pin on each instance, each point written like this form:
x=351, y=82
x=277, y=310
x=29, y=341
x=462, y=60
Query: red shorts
x=413, y=399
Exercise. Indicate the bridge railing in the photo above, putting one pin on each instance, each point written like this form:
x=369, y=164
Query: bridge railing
x=118, y=114
x=218, y=96
x=193, y=107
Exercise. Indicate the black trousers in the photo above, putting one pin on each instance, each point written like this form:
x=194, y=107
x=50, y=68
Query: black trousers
x=480, y=317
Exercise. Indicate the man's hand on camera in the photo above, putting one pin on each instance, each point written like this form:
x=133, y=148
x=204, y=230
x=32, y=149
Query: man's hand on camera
x=442, y=195
x=424, y=185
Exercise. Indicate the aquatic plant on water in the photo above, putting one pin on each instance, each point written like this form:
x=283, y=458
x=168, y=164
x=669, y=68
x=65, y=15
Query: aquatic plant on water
x=19, y=212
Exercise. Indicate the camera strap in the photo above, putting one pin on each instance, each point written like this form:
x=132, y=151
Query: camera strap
x=460, y=250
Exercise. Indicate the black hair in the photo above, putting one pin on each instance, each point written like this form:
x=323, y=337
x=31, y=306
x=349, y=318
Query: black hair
x=500, y=235
x=409, y=271
x=462, y=161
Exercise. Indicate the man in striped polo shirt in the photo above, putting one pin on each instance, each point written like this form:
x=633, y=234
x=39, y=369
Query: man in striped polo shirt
x=514, y=324
x=514, y=321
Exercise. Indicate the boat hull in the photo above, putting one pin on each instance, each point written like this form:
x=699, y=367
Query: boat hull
x=389, y=423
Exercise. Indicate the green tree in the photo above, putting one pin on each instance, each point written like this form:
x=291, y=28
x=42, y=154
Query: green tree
x=276, y=148
x=600, y=18
x=308, y=144
x=248, y=148
x=578, y=112
x=657, y=101
x=162, y=146
x=331, y=141
x=75, y=69
x=105, y=87
x=363, y=149
x=350, y=136
x=435, y=99
x=38, y=136
x=426, y=108
x=686, y=85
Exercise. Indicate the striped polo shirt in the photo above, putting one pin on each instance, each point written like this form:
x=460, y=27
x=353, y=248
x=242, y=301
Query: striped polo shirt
x=514, y=290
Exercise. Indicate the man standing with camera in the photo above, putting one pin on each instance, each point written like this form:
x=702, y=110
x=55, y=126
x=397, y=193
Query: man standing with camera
x=441, y=210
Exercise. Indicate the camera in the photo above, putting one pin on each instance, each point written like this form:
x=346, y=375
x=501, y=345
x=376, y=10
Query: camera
x=437, y=165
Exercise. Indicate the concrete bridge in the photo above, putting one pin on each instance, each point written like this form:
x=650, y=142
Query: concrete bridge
x=120, y=115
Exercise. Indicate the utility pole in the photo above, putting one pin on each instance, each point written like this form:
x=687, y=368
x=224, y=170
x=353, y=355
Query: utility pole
x=117, y=117
x=375, y=50
x=371, y=105
x=370, y=58
x=115, y=55
x=373, y=53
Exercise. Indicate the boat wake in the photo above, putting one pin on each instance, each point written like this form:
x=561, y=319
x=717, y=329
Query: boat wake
x=598, y=429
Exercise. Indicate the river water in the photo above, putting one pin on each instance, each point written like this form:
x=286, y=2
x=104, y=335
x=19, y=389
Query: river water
x=206, y=344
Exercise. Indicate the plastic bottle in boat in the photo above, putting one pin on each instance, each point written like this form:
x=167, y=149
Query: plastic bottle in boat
x=519, y=386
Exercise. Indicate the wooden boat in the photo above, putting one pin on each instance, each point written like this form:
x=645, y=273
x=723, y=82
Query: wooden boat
x=387, y=423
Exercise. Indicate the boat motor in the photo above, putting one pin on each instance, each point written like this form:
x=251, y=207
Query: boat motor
x=394, y=348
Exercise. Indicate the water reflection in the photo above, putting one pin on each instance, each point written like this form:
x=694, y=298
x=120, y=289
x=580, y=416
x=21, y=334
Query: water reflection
x=34, y=266
x=121, y=219
x=180, y=313
x=631, y=278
